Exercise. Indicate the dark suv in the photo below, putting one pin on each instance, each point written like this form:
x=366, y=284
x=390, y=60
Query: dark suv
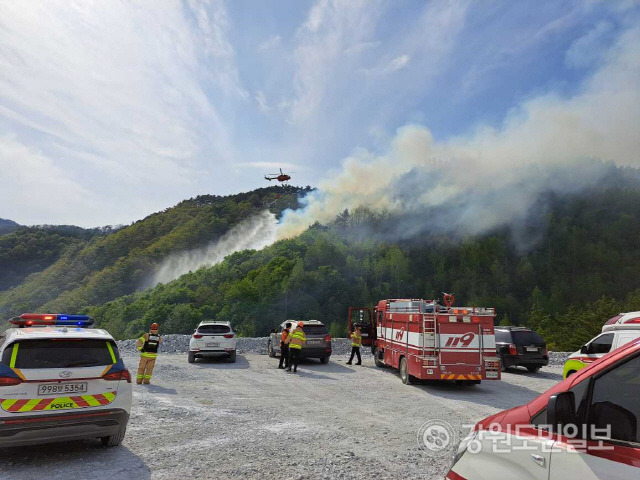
x=519, y=346
x=318, y=343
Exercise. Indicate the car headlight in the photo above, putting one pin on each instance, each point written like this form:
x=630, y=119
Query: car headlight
x=463, y=445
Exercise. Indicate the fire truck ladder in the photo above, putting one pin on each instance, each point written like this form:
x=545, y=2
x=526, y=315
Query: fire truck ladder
x=429, y=329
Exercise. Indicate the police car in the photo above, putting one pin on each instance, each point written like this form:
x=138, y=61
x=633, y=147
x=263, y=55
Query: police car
x=584, y=428
x=61, y=380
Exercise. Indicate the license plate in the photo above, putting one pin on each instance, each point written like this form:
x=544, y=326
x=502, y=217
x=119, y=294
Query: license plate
x=211, y=344
x=532, y=349
x=492, y=374
x=56, y=388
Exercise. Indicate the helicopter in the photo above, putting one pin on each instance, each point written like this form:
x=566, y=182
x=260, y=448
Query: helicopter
x=282, y=177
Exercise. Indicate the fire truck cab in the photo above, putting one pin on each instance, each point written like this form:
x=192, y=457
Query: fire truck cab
x=428, y=341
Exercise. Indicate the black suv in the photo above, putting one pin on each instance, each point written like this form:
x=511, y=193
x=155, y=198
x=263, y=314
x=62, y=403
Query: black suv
x=519, y=346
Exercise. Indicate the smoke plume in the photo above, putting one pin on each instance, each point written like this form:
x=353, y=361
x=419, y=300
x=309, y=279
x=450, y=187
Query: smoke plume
x=253, y=233
x=493, y=176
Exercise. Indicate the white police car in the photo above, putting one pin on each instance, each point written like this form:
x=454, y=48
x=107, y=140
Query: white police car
x=60, y=380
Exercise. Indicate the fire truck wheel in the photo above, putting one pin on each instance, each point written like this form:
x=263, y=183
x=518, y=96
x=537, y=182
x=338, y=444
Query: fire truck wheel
x=376, y=358
x=404, y=372
x=272, y=352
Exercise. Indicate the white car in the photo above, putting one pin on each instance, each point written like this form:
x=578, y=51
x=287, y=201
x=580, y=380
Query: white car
x=213, y=339
x=60, y=381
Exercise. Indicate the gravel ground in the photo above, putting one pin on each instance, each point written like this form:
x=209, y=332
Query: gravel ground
x=250, y=420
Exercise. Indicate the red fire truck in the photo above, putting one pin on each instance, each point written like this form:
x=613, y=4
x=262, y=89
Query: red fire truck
x=428, y=341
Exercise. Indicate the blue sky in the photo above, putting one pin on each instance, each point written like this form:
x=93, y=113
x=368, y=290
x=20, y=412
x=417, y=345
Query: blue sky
x=113, y=110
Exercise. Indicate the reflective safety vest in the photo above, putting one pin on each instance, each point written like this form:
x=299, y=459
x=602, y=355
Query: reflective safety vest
x=297, y=338
x=283, y=337
x=150, y=345
x=356, y=339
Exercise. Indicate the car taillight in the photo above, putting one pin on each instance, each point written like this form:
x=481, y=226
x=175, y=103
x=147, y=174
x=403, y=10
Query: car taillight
x=327, y=338
x=8, y=381
x=197, y=335
x=121, y=375
x=512, y=349
x=229, y=335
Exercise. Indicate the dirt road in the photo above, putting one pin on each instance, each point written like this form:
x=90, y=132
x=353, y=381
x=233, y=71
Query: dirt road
x=249, y=420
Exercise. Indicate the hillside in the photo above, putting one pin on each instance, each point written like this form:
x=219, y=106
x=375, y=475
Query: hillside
x=108, y=266
x=582, y=268
x=7, y=226
x=32, y=249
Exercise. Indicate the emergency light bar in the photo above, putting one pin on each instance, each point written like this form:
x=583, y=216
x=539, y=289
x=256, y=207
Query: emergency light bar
x=52, y=319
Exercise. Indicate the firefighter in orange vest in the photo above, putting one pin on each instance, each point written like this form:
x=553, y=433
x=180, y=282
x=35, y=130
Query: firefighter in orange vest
x=356, y=343
x=284, y=347
x=148, y=345
x=295, y=340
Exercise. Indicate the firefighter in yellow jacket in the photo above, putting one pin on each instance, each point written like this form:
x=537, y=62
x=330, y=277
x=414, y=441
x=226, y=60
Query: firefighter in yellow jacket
x=295, y=340
x=356, y=343
x=148, y=345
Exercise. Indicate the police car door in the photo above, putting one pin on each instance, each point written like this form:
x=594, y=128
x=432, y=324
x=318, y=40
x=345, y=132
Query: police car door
x=611, y=410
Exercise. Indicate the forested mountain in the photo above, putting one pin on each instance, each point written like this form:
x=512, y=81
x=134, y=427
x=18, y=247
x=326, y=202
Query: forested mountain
x=90, y=271
x=32, y=249
x=7, y=226
x=568, y=268
x=582, y=269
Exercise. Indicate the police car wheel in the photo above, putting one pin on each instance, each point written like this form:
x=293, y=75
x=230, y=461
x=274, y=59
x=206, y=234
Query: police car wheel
x=115, y=439
x=192, y=357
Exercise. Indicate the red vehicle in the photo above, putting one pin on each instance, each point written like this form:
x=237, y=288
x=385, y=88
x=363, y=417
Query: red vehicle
x=583, y=428
x=428, y=341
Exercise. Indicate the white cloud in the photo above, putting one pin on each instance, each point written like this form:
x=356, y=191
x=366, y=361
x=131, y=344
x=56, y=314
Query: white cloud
x=122, y=92
x=398, y=63
x=332, y=27
x=41, y=190
x=588, y=49
x=270, y=43
x=262, y=102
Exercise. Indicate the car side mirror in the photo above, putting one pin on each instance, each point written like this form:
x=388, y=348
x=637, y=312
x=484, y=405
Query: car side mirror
x=561, y=411
x=584, y=349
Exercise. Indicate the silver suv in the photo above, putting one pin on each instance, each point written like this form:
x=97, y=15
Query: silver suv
x=213, y=339
x=318, y=344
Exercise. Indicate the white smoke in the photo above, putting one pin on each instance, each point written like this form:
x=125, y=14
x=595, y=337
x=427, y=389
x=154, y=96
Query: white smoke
x=254, y=233
x=492, y=177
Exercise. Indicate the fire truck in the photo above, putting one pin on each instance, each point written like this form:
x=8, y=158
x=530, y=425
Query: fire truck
x=429, y=341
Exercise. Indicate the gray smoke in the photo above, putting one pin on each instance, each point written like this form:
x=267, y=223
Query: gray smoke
x=254, y=233
x=493, y=177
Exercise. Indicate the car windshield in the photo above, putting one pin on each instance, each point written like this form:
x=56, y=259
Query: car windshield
x=526, y=337
x=214, y=329
x=315, y=330
x=60, y=353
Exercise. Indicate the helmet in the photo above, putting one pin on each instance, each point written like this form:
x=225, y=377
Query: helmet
x=154, y=326
x=300, y=324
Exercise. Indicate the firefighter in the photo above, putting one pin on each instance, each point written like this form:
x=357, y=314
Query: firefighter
x=356, y=343
x=148, y=345
x=295, y=340
x=284, y=347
